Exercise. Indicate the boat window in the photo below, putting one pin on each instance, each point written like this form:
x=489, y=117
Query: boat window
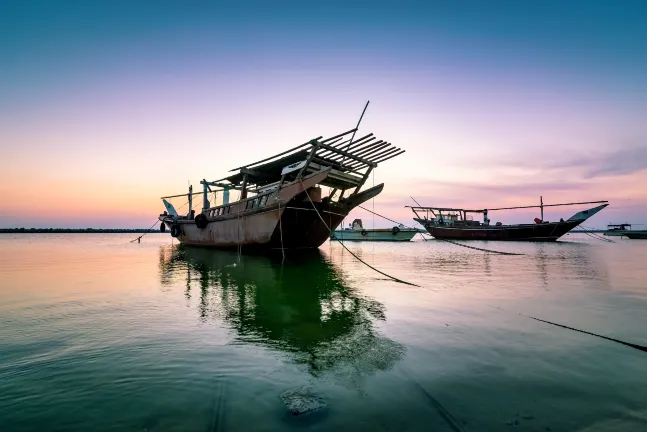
x=263, y=200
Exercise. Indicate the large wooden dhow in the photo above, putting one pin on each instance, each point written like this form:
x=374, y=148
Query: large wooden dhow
x=458, y=224
x=282, y=204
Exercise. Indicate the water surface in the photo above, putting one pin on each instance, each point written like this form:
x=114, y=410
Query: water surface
x=97, y=333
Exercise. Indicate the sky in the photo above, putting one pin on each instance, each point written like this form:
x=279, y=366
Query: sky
x=106, y=106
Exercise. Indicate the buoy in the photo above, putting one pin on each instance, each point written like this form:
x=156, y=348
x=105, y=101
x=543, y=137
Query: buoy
x=395, y=230
x=364, y=232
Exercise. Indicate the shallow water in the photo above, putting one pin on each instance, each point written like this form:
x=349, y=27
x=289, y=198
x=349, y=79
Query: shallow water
x=100, y=334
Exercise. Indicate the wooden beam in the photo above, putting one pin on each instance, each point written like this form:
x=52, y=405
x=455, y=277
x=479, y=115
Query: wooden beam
x=303, y=169
x=243, y=193
x=361, y=183
x=277, y=155
x=348, y=155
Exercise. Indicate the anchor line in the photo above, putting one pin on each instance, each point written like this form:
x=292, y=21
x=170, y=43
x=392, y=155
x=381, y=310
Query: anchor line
x=348, y=250
x=151, y=227
x=481, y=249
x=383, y=217
x=629, y=344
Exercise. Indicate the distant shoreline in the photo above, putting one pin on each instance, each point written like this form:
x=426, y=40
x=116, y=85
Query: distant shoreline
x=76, y=230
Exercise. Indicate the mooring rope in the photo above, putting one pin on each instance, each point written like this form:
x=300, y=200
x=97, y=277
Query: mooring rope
x=151, y=227
x=384, y=217
x=349, y=251
x=592, y=235
x=481, y=249
x=629, y=344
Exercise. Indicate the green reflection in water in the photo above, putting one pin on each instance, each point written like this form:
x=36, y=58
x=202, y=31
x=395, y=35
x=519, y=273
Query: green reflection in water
x=301, y=306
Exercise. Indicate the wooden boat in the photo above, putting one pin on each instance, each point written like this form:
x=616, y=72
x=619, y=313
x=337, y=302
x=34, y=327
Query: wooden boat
x=456, y=224
x=357, y=232
x=281, y=204
x=624, y=230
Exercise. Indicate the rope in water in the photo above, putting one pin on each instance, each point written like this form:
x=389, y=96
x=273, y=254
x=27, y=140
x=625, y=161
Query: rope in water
x=481, y=249
x=348, y=250
x=592, y=235
x=629, y=344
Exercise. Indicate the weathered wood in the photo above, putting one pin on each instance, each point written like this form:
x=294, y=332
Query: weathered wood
x=359, y=186
x=348, y=155
x=336, y=136
x=363, y=147
x=382, y=159
x=310, y=156
x=243, y=192
x=280, y=154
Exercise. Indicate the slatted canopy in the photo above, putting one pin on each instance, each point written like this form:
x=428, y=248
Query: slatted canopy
x=350, y=161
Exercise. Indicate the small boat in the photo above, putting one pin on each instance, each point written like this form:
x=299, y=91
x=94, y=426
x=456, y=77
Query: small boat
x=624, y=230
x=357, y=232
x=281, y=204
x=457, y=224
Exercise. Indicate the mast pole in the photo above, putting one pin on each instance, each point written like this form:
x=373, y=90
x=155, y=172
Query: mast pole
x=541, y=206
x=356, y=127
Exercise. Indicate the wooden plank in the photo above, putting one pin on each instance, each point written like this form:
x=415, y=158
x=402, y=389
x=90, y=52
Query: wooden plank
x=348, y=155
x=368, y=153
x=382, y=159
x=361, y=183
x=280, y=154
x=337, y=136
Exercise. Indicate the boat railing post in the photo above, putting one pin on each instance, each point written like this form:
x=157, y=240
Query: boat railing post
x=243, y=192
x=225, y=195
x=190, y=200
x=205, y=196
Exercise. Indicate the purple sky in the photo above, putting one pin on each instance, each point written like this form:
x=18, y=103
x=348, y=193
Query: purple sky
x=105, y=107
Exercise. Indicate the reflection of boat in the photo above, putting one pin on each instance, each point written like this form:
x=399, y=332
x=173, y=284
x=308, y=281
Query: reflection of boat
x=455, y=223
x=357, y=232
x=624, y=230
x=301, y=306
x=277, y=196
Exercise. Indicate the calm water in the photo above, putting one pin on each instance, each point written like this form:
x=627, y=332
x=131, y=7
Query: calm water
x=98, y=334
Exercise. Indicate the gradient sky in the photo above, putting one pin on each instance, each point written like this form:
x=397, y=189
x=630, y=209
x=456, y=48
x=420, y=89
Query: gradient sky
x=106, y=106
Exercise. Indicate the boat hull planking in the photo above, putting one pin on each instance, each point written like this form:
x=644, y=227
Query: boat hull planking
x=527, y=232
x=288, y=221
